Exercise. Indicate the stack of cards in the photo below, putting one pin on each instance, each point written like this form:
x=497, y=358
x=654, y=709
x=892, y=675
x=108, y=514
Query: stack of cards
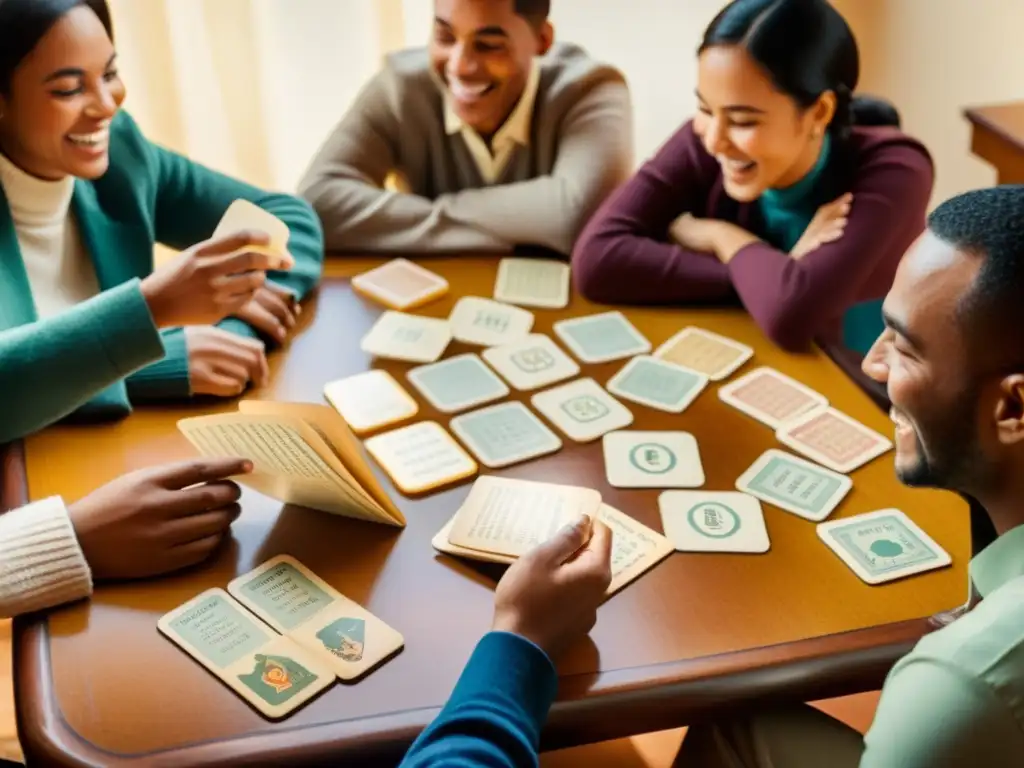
x=582, y=410
x=602, y=338
x=533, y=283
x=833, y=439
x=421, y=457
x=458, y=383
x=532, y=363
x=702, y=521
x=883, y=546
x=488, y=323
x=505, y=434
x=399, y=336
x=399, y=284
x=658, y=384
x=652, y=460
x=242, y=215
x=795, y=485
x=370, y=401
x=708, y=353
x=771, y=397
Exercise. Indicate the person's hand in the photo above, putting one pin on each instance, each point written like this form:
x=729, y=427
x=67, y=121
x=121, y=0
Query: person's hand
x=272, y=310
x=550, y=595
x=158, y=520
x=208, y=282
x=827, y=226
x=693, y=233
x=221, y=363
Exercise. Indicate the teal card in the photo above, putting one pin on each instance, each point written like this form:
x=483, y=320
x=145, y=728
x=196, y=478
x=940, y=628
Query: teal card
x=277, y=679
x=655, y=383
x=458, y=383
x=882, y=545
x=284, y=595
x=792, y=484
x=600, y=338
x=219, y=630
x=345, y=638
x=504, y=434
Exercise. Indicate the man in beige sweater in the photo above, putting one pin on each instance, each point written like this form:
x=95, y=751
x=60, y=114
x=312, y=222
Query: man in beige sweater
x=491, y=137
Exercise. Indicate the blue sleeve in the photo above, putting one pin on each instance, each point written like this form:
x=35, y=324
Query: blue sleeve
x=495, y=714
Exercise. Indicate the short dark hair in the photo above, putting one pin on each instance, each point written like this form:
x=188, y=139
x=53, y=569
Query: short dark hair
x=807, y=48
x=989, y=224
x=23, y=23
x=534, y=11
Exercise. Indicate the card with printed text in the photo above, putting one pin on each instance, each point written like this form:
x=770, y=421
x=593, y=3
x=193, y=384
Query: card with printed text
x=488, y=323
x=458, y=383
x=505, y=434
x=652, y=460
x=658, y=384
x=401, y=285
x=532, y=363
x=795, y=485
x=533, y=283
x=771, y=397
x=704, y=352
x=421, y=457
x=582, y=410
x=713, y=521
x=602, y=338
x=415, y=339
x=370, y=401
x=833, y=440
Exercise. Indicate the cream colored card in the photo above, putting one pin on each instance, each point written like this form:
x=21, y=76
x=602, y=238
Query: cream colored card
x=705, y=352
x=299, y=604
x=274, y=674
x=242, y=215
x=533, y=283
x=458, y=383
x=833, y=439
x=488, y=323
x=505, y=516
x=421, y=457
x=602, y=338
x=582, y=410
x=370, y=401
x=401, y=285
x=713, y=521
x=532, y=363
x=415, y=339
x=771, y=397
x=652, y=460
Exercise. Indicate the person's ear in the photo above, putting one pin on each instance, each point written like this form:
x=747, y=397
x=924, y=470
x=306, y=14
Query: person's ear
x=1009, y=410
x=822, y=112
x=545, y=38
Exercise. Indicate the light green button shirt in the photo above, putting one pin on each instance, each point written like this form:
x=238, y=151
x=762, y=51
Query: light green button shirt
x=957, y=699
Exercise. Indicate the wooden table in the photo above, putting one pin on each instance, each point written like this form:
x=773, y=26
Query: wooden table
x=997, y=136
x=696, y=636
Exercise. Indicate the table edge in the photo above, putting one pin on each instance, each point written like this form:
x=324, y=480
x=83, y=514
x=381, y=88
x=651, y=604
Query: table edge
x=978, y=118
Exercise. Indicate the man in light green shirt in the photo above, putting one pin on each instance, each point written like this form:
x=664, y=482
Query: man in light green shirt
x=952, y=359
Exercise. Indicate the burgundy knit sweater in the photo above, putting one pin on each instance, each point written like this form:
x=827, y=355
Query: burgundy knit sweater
x=624, y=254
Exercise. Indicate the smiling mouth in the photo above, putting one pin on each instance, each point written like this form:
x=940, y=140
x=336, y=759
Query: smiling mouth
x=903, y=425
x=94, y=140
x=736, y=167
x=468, y=93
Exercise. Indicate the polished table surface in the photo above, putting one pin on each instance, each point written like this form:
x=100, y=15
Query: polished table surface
x=997, y=136
x=697, y=635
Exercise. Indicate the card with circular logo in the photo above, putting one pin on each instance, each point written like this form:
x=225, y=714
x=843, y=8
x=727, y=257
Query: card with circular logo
x=634, y=459
x=713, y=521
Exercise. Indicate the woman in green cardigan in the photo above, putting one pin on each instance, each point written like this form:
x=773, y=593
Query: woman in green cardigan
x=83, y=199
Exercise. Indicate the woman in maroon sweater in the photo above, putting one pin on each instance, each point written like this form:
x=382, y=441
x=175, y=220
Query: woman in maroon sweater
x=775, y=193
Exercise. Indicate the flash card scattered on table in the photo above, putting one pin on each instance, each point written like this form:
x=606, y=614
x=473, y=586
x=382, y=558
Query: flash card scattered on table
x=883, y=546
x=242, y=215
x=771, y=397
x=488, y=323
x=705, y=352
x=274, y=674
x=719, y=521
x=658, y=384
x=400, y=284
x=582, y=410
x=413, y=338
x=371, y=400
x=302, y=606
x=795, y=485
x=652, y=460
x=533, y=283
x=602, y=338
x=532, y=363
x=833, y=439
x=458, y=383
x=505, y=434
x=421, y=457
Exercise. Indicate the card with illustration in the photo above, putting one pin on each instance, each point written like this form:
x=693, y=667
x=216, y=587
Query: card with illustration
x=421, y=457
x=705, y=352
x=458, y=383
x=401, y=285
x=833, y=439
x=370, y=401
x=771, y=397
x=412, y=338
x=883, y=546
x=488, y=323
x=272, y=673
x=658, y=384
x=531, y=363
x=652, y=460
x=300, y=605
x=533, y=283
x=795, y=485
x=713, y=521
x=582, y=410
x=602, y=338
x=505, y=434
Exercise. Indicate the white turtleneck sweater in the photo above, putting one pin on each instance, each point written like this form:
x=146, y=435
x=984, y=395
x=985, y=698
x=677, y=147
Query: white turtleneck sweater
x=41, y=562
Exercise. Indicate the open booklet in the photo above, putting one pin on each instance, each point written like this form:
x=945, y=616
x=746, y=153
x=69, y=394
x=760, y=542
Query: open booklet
x=503, y=518
x=302, y=453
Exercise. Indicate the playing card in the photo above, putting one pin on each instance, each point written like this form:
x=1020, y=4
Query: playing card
x=458, y=383
x=299, y=604
x=370, y=401
x=582, y=410
x=421, y=457
x=504, y=434
x=274, y=674
x=413, y=338
x=771, y=397
x=709, y=521
x=400, y=284
x=795, y=485
x=657, y=384
x=602, y=338
x=652, y=460
x=242, y=215
x=883, y=546
x=532, y=283
x=833, y=439
x=532, y=363
x=488, y=323
x=705, y=352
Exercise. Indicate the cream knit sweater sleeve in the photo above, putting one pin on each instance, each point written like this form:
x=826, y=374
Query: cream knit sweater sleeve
x=41, y=562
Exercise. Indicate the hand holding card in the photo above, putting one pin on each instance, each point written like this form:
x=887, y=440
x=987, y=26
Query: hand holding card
x=242, y=215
